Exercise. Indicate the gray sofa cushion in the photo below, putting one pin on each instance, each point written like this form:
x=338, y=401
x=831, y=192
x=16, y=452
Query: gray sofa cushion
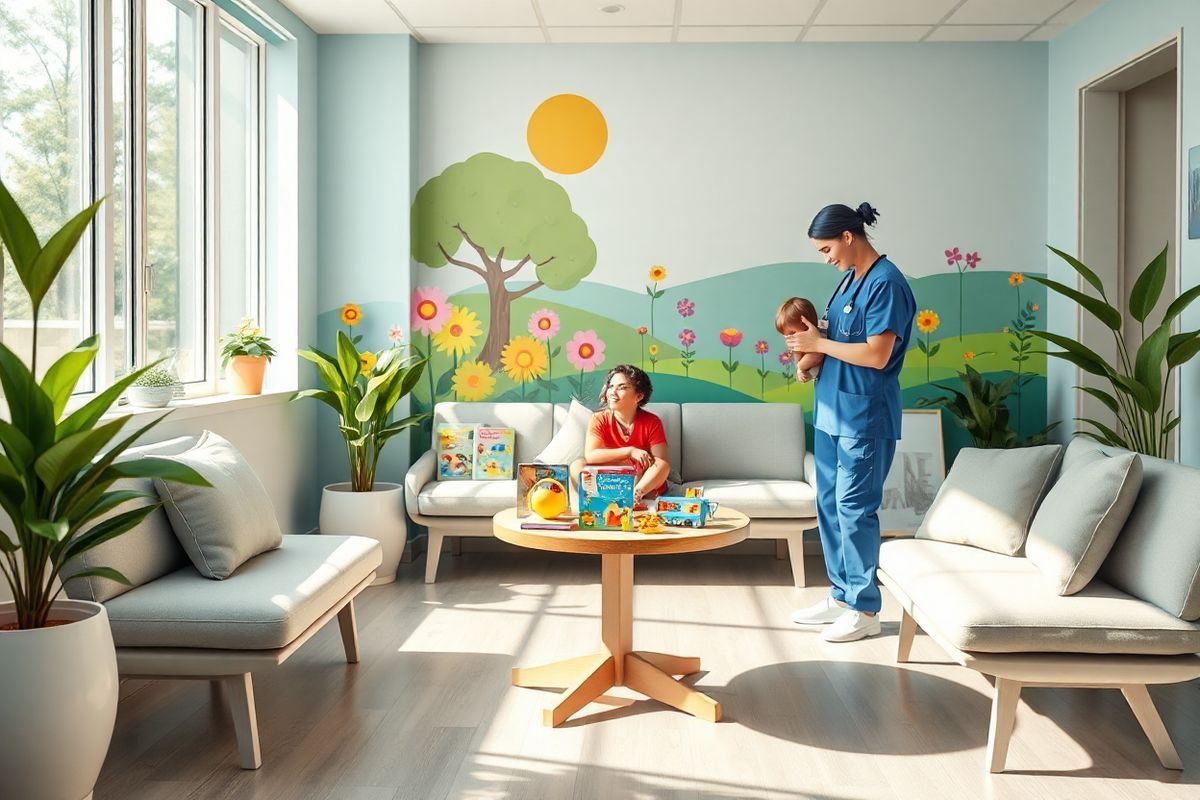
x=143, y=553
x=466, y=498
x=986, y=602
x=266, y=604
x=762, y=499
x=532, y=423
x=1157, y=554
x=740, y=440
x=222, y=526
x=989, y=497
x=1078, y=522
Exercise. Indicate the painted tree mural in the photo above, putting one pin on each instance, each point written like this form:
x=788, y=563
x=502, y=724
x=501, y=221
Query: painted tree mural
x=510, y=215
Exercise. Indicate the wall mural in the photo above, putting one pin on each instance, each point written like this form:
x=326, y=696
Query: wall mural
x=535, y=328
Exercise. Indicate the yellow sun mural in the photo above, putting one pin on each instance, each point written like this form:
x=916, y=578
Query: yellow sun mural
x=567, y=134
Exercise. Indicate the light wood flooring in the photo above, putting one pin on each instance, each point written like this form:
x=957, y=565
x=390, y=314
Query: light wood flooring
x=429, y=712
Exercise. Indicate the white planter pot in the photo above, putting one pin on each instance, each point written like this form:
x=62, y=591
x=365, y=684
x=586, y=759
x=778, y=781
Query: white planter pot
x=377, y=514
x=150, y=396
x=58, y=703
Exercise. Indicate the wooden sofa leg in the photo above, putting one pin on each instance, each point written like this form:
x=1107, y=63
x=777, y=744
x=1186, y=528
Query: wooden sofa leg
x=240, y=690
x=349, y=627
x=1147, y=715
x=1004, y=717
x=795, y=545
x=908, y=629
x=433, y=554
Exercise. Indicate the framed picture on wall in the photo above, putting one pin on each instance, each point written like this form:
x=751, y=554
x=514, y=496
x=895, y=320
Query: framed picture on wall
x=916, y=474
x=1193, y=179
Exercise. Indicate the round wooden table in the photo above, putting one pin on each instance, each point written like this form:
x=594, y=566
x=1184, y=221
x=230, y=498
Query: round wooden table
x=584, y=678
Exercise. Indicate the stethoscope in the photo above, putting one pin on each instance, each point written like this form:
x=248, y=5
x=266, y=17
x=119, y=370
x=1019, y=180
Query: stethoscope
x=846, y=309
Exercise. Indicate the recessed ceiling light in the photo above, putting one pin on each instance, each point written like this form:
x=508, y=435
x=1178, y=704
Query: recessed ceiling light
x=613, y=9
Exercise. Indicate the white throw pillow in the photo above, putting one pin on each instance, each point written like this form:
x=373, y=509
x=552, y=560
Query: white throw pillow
x=568, y=442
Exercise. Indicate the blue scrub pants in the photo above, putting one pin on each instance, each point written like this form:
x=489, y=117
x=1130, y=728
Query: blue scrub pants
x=850, y=475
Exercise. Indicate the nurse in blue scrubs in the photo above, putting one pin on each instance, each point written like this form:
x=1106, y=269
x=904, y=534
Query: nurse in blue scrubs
x=867, y=325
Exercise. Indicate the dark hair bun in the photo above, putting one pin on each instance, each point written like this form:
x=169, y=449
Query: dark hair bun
x=867, y=214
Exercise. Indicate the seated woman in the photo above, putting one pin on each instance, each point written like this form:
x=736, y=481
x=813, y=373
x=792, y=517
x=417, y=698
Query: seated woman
x=624, y=433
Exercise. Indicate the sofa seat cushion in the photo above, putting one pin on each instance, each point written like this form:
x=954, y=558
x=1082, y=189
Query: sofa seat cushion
x=762, y=499
x=979, y=601
x=466, y=498
x=269, y=601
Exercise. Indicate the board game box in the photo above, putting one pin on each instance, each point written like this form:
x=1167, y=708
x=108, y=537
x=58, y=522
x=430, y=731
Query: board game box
x=606, y=498
x=529, y=474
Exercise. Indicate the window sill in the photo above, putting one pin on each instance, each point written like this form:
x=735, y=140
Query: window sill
x=198, y=407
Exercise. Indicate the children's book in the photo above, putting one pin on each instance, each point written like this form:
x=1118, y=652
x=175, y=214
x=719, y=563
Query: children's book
x=455, y=451
x=606, y=498
x=494, y=453
x=529, y=474
x=540, y=525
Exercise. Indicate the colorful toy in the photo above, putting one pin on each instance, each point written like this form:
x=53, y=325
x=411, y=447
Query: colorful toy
x=529, y=474
x=606, y=497
x=455, y=450
x=494, y=453
x=548, y=498
x=688, y=512
x=650, y=523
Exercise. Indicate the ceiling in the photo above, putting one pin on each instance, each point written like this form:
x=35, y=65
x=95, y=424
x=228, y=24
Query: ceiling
x=609, y=21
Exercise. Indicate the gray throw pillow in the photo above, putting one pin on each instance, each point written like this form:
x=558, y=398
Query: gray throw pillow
x=1081, y=516
x=989, y=497
x=223, y=526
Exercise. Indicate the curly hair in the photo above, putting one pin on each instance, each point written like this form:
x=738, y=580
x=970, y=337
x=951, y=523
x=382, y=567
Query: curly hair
x=636, y=377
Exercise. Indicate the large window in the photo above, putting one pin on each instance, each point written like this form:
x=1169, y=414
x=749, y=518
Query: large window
x=156, y=104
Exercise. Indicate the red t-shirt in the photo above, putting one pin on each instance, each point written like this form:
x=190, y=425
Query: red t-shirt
x=647, y=432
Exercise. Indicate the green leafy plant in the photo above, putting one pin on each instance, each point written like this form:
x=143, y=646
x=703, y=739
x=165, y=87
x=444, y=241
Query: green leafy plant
x=363, y=389
x=1139, y=381
x=156, y=377
x=981, y=409
x=246, y=340
x=57, y=468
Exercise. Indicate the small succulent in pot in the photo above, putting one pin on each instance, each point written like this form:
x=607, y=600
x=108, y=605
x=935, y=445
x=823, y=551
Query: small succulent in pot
x=154, y=388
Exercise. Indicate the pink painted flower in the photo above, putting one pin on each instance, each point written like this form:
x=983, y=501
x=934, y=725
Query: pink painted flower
x=953, y=257
x=642, y=331
x=396, y=334
x=761, y=346
x=585, y=350
x=685, y=307
x=785, y=357
x=973, y=259
x=731, y=337
x=687, y=337
x=543, y=324
x=429, y=309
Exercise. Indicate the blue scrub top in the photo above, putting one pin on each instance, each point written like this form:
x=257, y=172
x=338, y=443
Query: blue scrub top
x=863, y=402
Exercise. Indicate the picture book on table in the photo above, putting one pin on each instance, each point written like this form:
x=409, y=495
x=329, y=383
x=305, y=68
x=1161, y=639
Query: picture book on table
x=455, y=451
x=606, y=498
x=494, y=453
x=529, y=474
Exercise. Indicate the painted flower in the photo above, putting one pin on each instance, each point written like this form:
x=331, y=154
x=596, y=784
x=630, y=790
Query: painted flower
x=429, y=309
x=1034, y=307
x=973, y=260
x=761, y=346
x=523, y=359
x=658, y=273
x=927, y=321
x=473, y=380
x=687, y=337
x=366, y=362
x=642, y=331
x=543, y=324
x=731, y=337
x=585, y=350
x=785, y=357
x=652, y=349
x=1016, y=279
x=459, y=333
x=685, y=307
x=351, y=314
x=953, y=257
x=967, y=356
x=396, y=334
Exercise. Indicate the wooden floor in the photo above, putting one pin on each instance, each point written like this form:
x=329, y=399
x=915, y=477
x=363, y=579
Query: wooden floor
x=429, y=713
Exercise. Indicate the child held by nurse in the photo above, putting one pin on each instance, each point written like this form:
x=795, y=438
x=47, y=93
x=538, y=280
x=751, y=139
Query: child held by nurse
x=788, y=321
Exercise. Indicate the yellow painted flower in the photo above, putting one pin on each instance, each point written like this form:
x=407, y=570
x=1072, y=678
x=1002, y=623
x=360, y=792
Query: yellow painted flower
x=366, y=362
x=967, y=356
x=351, y=314
x=474, y=381
x=1016, y=279
x=658, y=273
x=1004, y=329
x=523, y=359
x=653, y=349
x=459, y=333
x=927, y=321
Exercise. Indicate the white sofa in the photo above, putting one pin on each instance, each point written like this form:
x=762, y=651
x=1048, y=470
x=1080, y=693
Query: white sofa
x=748, y=456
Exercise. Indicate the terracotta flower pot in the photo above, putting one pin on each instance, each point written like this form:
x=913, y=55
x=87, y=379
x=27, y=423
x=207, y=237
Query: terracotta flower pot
x=246, y=374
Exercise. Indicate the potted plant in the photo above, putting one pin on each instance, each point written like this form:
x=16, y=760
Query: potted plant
x=245, y=352
x=58, y=699
x=981, y=408
x=363, y=388
x=153, y=388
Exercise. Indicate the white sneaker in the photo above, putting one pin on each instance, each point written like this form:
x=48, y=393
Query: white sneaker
x=820, y=613
x=851, y=626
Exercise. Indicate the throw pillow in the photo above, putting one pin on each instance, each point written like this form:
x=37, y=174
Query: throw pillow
x=223, y=526
x=1081, y=516
x=989, y=497
x=569, y=440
